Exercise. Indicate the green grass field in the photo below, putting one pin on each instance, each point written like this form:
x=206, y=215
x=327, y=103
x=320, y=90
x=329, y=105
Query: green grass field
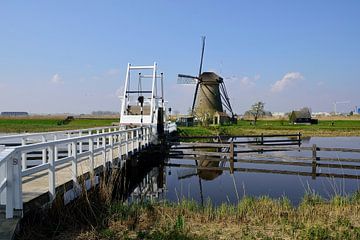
x=20, y=125
x=324, y=128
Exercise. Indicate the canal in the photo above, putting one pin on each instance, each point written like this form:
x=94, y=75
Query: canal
x=176, y=183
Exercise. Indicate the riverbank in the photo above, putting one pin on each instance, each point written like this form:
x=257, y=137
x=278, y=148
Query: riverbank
x=47, y=124
x=251, y=218
x=325, y=128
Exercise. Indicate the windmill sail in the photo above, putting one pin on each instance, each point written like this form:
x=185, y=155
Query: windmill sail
x=186, y=79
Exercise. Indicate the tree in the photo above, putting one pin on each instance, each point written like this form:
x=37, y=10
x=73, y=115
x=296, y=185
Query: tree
x=257, y=110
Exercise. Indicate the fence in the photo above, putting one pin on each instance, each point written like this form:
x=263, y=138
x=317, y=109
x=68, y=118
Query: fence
x=98, y=141
x=232, y=152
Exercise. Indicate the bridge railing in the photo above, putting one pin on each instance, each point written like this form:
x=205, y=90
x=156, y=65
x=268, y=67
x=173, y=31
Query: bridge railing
x=13, y=167
x=30, y=138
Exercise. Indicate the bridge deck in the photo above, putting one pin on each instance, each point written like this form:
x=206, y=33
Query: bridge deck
x=37, y=184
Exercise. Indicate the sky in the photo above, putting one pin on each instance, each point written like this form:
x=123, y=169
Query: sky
x=71, y=56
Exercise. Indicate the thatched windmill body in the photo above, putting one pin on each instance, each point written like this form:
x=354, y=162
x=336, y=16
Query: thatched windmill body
x=210, y=96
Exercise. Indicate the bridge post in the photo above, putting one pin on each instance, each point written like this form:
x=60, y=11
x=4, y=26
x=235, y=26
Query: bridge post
x=91, y=156
x=9, y=189
x=23, y=155
x=127, y=143
x=44, y=150
x=98, y=139
x=74, y=168
x=104, y=146
x=80, y=142
x=55, y=150
x=18, y=200
x=51, y=173
x=69, y=145
x=132, y=141
x=111, y=141
x=137, y=140
x=120, y=146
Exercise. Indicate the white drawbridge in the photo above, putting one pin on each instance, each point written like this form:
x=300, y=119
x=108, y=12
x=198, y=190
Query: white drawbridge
x=143, y=98
x=42, y=162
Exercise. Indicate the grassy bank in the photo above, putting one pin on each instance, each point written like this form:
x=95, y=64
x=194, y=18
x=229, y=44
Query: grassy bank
x=324, y=128
x=20, y=125
x=251, y=218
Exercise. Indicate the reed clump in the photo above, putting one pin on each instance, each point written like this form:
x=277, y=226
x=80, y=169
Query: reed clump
x=251, y=218
x=102, y=213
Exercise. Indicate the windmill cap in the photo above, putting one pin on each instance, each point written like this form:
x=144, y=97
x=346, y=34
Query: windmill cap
x=210, y=77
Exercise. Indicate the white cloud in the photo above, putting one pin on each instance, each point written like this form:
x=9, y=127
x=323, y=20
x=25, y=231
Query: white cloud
x=56, y=79
x=245, y=81
x=112, y=72
x=288, y=79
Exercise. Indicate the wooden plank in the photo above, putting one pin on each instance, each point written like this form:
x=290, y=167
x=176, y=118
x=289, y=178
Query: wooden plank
x=205, y=153
x=331, y=149
x=255, y=170
x=269, y=141
x=196, y=144
x=190, y=158
x=241, y=136
x=302, y=164
x=325, y=159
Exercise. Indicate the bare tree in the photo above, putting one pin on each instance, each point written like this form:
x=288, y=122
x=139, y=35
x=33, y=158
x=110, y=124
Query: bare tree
x=257, y=110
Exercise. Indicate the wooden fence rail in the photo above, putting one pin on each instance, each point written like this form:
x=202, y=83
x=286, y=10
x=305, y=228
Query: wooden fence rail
x=231, y=152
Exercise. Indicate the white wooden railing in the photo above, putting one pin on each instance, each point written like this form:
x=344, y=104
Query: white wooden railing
x=97, y=141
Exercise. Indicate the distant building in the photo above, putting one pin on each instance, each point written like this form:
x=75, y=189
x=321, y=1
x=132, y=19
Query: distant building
x=302, y=116
x=278, y=114
x=220, y=118
x=185, y=121
x=320, y=114
x=14, y=114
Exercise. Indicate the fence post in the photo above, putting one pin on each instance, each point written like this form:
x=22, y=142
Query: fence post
x=55, y=150
x=44, y=150
x=51, y=173
x=137, y=140
x=299, y=139
x=262, y=138
x=23, y=155
x=69, y=145
x=314, y=158
x=91, y=156
x=80, y=142
x=126, y=143
x=18, y=200
x=111, y=141
x=104, y=149
x=98, y=139
x=132, y=142
x=74, y=162
x=9, y=189
x=231, y=157
x=120, y=146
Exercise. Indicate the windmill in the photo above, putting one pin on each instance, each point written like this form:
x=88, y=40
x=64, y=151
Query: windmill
x=210, y=92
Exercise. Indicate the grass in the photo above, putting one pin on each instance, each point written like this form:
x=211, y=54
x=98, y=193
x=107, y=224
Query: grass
x=93, y=217
x=251, y=218
x=21, y=125
x=324, y=128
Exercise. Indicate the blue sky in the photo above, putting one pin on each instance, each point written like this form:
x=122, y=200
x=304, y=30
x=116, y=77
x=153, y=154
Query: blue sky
x=71, y=56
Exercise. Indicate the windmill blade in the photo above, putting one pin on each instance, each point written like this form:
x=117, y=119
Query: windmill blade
x=196, y=90
x=202, y=54
x=186, y=79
